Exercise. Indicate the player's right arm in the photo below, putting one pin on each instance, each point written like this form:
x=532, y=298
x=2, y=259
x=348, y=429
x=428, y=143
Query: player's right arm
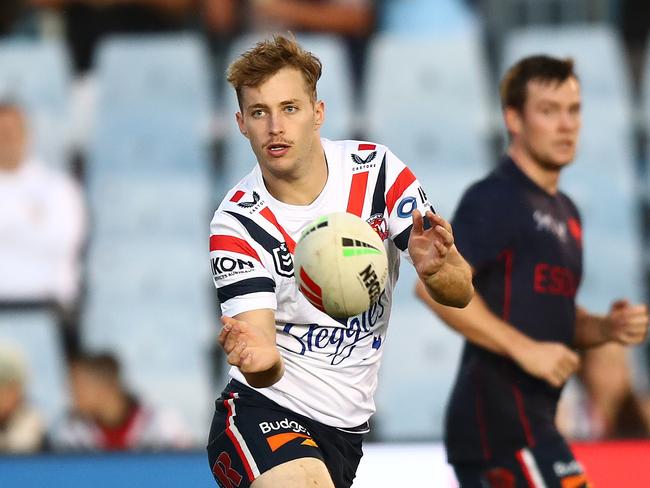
x=248, y=339
x=552, y=362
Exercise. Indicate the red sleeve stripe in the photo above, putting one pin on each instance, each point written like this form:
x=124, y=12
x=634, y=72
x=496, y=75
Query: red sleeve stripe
x=366, y=147
x=357, y=193
x=237, y=196
x=313, y=287
x=402, y=182
x=233, y=244
x=268, y=215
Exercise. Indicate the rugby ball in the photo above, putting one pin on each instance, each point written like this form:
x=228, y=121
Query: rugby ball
x=340, y=264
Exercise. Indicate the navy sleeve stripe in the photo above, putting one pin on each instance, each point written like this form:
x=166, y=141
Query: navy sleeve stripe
x=245, y=287
x=259, y=235
x=402, y=239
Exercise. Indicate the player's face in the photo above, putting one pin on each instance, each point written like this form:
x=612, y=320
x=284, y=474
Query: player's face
x=282, y=122
x=550, y=123
x=13, y=138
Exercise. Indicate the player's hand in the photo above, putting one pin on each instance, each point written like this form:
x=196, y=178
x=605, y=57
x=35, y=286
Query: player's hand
x=248, y=347
x=552, y=362
x=429, y=248
x=628, y=324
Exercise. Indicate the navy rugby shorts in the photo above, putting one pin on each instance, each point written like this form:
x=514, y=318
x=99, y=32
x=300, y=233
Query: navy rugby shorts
x=547, y=465
x=251, y=434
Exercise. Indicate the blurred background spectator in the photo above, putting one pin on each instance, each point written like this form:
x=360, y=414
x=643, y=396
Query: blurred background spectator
x=105, y=415
x=87, y=22
x=22, y=428
x=42, y=227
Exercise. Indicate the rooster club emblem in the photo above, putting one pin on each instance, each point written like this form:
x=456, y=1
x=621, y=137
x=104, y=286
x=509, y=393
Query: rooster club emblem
x=378, y=223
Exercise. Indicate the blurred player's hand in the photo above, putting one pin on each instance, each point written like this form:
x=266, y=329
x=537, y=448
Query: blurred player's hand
x=552, y=362
x=429, y=248
x=628, y=324
x=248, y=347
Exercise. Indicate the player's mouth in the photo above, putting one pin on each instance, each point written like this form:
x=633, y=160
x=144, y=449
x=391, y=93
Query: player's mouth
x=565, y=145
x=277, y=149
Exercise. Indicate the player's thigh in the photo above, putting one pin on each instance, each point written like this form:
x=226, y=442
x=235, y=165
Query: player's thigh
x=299, y=473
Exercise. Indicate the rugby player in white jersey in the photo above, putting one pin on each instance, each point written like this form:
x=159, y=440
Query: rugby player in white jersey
x=295, y=411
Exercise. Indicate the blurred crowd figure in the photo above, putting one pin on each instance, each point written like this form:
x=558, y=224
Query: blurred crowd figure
x=42, y=226
x=107, y=416
x=604, y=403
x=88, y=22
x=22, y=428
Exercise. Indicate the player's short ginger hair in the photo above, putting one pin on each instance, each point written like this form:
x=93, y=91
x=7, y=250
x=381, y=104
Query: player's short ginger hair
x=255, y=66
x=545, y=69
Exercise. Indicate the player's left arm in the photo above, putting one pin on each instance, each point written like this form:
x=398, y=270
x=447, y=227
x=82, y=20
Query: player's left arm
x=625, y=323
x=444, y=272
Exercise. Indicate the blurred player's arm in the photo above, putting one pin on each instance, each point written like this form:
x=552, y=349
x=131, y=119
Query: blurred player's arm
x=447, y=276
x=550, y=361
x=624, y=323
x=248, y=340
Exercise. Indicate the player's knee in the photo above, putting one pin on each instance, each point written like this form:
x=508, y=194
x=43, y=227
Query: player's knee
x=298, y=473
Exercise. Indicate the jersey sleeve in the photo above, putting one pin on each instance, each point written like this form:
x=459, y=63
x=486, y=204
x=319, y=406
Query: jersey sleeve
x=403, y=195
x=483, y=223
x=238, y=270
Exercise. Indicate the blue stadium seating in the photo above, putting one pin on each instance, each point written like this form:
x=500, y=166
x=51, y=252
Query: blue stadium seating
x=427, y=100
x=431, y=108
x=418, y=17
x=35, y=333
x=36, y=74
x=149, y=181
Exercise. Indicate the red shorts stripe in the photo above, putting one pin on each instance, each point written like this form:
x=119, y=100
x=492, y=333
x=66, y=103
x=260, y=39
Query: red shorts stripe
x=525, y=470
x=235, y=441
x=402, y=182
x=357, y=193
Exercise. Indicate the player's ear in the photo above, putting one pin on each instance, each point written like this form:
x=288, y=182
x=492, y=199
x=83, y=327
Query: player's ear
x=513, y=120
x=240, y=124
x=319, y=114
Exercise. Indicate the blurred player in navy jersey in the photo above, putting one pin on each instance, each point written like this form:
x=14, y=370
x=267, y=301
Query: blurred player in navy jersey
x=523, y=239
x=301, y=393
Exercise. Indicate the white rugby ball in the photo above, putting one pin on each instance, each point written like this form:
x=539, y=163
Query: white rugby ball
x=340, y=265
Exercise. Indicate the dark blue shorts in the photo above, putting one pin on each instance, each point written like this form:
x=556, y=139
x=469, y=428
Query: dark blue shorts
x=251, y=434
x=547, y=465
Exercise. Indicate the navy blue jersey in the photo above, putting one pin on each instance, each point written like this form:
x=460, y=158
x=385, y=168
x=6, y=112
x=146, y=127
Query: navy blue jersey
x=525, y=247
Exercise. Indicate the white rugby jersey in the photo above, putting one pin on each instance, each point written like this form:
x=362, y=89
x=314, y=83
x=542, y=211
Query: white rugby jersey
x=331, y=365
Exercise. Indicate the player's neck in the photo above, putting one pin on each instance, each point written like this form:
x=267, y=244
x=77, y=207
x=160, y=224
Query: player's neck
x=547, y=178
x=304, y=185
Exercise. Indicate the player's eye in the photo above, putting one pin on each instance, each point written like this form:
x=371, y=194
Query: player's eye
x=290, y=109
x=256, y=114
